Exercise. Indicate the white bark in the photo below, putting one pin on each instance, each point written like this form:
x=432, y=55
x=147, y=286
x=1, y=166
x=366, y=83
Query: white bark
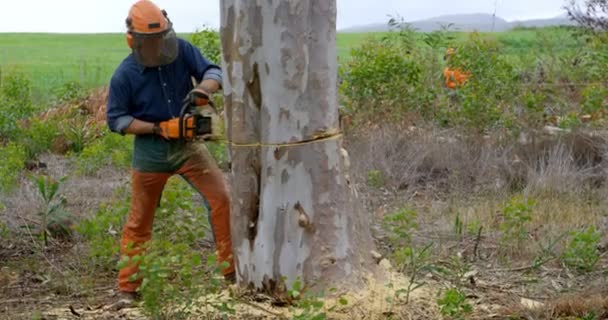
x=293, y=214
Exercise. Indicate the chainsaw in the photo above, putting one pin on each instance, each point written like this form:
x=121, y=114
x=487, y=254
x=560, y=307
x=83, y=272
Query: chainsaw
x=199, y=122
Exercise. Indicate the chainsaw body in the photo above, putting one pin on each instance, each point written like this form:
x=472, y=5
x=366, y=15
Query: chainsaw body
x=198, y=123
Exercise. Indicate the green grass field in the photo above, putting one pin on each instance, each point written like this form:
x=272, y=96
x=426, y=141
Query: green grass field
x=51, y=60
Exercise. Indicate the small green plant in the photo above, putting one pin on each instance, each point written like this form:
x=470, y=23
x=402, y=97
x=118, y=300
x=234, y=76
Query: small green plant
x=454, y=270
x=414, y=262
x=459, y=226
x=52, y=206
x=219, y=152
x=102, y=231
x=571, y=120
x=517, y=213
x=594, y=99
x=12, y=161
x=38, y=137
x=581, y=252
x=68, y=92
x=307, y=306
x=375, y=179
x=400, y=225
x=4, y=230
x=589, y=316
x=411, y=260
x=453, y=304
x=547, y=251
x=110, y=149
x=77, y=135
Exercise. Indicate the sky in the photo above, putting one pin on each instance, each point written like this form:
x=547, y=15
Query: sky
x=88, y=16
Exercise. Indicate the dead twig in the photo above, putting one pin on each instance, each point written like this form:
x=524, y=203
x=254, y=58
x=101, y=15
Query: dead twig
x=253, y=305
x=477, y=241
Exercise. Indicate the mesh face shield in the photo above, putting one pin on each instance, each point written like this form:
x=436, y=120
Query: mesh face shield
x=155, y=49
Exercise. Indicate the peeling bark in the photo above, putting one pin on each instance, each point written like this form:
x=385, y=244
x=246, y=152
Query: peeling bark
x=294, y=214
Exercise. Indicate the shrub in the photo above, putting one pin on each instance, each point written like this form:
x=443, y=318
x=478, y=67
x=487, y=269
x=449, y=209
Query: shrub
x=453, y=304
x=38, y=137
x=12, y=161
x=379, y=78
x=102, y=232
x=110, y=149
x=207, y=41
x=517, y=213
x=582, y=250
x=491, y=85
x=68, y=92
x=593, y=99
x=15, y=102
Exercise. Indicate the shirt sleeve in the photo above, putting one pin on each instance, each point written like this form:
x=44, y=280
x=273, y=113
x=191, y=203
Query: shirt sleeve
x=117, y=112
x=200, y=68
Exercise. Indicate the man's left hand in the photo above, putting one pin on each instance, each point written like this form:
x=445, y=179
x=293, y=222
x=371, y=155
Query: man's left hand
x=199, y=96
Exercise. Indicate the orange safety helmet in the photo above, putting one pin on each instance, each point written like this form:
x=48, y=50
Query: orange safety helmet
x=150, y=34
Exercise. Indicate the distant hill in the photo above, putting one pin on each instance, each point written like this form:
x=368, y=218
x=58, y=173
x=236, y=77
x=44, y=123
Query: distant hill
x=466, y=22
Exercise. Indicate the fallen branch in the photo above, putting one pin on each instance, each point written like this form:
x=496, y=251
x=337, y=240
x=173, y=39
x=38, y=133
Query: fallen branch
x=262, y=309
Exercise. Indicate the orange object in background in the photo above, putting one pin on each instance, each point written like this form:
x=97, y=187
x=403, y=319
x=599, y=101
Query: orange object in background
x=454, y=78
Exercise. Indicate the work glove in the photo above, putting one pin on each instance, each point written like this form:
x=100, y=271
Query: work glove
x=170, y=129
x=198, y=97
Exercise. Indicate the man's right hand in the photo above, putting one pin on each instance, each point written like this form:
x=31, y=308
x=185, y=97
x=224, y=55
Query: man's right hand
x=170, y=129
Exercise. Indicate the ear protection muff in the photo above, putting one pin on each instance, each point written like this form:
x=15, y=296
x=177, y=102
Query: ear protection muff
x=129, y=36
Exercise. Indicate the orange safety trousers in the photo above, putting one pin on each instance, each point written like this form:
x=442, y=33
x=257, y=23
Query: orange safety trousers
x=454, y=78
x=146, y=192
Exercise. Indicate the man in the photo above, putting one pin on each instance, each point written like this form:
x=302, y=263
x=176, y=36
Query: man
x=145, y=98
x=453, y=78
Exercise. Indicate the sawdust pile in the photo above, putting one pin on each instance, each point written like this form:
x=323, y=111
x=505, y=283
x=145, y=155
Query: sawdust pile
x=380, y=300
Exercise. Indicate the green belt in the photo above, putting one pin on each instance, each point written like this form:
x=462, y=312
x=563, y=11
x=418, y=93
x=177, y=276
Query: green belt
x=152, y=153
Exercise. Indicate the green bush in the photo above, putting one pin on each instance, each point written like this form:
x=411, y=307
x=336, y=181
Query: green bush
x=379, y=79
x=15, y=102
x=594, y=99
x=517, y=213
x=219, y=152
x=400, y=225
x=38, y=137
x=207, y=41
x=68, y=92
x=582, y=250
x=453, y=304
x=487, y=96
x=102, y=232
x=12, y=161
x=110, y=149
x=375, y=179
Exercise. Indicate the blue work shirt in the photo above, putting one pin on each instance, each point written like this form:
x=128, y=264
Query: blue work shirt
x=155, y=94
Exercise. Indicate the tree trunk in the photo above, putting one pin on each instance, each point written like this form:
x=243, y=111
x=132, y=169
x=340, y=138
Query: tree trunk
x=294, y=214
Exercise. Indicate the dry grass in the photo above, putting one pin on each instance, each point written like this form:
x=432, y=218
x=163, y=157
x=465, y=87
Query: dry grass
x=572, y=306
x=449, y=161
x=83, y=194
x=447, y=174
